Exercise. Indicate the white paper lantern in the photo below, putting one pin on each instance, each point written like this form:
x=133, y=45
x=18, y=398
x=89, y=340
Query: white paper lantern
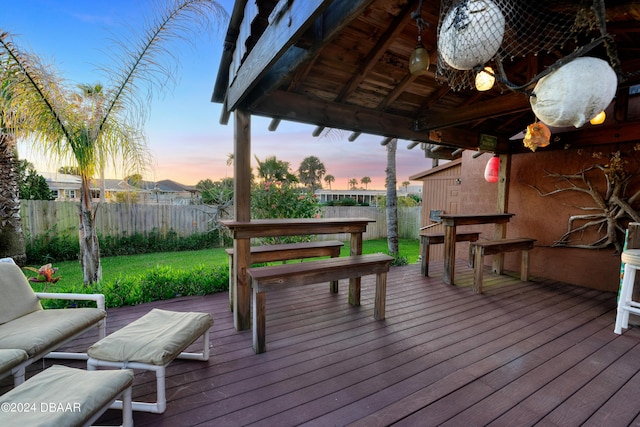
x=574, y=93
x=471, y=34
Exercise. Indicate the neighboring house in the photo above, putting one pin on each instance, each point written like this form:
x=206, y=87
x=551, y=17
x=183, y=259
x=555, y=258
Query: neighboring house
x=63, y=187
x=66, y=187
x=362, y=197
x=168, y=192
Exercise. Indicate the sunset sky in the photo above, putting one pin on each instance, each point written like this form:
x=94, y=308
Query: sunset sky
x=185, y=138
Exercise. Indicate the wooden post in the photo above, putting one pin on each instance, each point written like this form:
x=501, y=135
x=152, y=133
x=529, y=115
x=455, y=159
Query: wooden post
x=500, y=231
x=242, y=211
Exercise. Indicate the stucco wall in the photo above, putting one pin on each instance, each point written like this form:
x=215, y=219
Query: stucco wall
x=546, y=218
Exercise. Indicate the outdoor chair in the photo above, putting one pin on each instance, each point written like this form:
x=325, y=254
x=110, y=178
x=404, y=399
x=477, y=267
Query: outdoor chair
x=25, y=325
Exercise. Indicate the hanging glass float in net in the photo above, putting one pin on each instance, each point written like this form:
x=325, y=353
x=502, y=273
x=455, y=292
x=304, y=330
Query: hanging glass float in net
x=475, y=33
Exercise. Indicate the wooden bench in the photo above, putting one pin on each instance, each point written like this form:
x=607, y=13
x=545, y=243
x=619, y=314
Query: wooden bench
x=437, y=239
x=268, y=278
x=286, y=252
x=492, y=247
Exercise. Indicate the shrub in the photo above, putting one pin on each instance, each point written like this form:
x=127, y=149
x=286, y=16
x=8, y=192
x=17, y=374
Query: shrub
x=158, y=283
x=347, y=201
x=283, y=200
x=55, y=247
x=52, y=246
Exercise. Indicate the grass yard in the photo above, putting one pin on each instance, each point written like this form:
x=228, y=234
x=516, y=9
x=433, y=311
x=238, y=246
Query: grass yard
x=71, y=274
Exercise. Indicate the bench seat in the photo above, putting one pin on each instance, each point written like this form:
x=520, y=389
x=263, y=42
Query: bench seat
x=428, y=239
x=493, y=247
x=286, y=252
x=269, y=278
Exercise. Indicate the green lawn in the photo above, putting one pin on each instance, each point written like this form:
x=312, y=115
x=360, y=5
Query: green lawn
x=71, y=273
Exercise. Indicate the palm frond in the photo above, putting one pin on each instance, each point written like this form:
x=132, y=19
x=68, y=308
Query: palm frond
x=149, y=66
x=33, y=94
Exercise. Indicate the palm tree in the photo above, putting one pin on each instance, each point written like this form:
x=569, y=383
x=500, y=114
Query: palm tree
x=329, y=179
x=311, y=171
x=392, y=202
x=352, y=183
x=365, y=180
x=11, y=235
x=108, y=125
x=272, y=169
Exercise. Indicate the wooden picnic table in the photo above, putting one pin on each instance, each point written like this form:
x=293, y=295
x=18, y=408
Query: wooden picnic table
x=243, y=231
x=451, y=221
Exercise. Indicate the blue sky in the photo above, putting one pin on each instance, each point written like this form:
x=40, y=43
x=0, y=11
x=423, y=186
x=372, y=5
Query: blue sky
x=185, y=138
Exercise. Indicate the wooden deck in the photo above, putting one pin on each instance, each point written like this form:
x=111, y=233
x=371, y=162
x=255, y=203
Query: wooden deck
x=533, y=353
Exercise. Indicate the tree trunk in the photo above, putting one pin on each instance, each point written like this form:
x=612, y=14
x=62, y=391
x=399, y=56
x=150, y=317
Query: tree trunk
x=11, y=236
x=88, y=236
x=392, y=203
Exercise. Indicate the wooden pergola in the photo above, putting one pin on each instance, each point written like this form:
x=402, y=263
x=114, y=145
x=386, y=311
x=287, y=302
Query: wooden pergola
x=344, y=64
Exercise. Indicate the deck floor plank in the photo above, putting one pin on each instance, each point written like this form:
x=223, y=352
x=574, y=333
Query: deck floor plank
x=520, y=354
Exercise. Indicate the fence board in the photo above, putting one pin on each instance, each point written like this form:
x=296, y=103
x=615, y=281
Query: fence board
x=123, y=219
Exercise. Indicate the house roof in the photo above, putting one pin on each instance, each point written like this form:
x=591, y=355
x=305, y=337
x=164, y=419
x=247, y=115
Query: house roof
x=344, y=64
x=435, y=170
x=60, y=180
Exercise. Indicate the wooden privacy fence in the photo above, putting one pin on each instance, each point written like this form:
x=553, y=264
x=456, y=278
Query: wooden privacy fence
x=122, y=219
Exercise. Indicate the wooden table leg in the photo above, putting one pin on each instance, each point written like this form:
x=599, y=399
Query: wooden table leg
x=355, y=283
x=449, y=254
x=242, y=294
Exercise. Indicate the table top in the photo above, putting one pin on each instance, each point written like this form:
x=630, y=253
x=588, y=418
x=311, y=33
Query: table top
x=295, y=226
x=470, y=219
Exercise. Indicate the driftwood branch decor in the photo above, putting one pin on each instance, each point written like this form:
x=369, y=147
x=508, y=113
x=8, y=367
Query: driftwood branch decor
x=613, y=209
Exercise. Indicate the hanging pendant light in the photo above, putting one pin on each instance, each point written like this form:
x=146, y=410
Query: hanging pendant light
x=485, y=79
x=599, y=118
x=419, y=60
x=492, y=170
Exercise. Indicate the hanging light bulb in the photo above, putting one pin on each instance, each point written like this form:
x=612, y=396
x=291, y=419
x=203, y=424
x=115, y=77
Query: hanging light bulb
x=419, y=60
x=491, y=171
x=485, y=79
x=598, y=119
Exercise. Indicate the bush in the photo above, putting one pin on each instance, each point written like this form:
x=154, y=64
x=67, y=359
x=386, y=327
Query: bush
x=54, y=247
x=158, y=283
x=283, y=200
x=347, y=201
